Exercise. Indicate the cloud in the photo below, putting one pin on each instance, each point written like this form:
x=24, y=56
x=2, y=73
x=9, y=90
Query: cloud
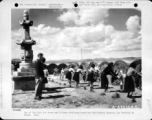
x=42, y=30
x=70, y=15
x=95, y=41
x=133, y=23
x=84, y=16
x=124, y=41
x=41, y=34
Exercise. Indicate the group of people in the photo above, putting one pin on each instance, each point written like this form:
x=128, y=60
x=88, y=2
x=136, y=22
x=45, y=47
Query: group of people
x=90, y=76
x=127, y=81
x=74, y=73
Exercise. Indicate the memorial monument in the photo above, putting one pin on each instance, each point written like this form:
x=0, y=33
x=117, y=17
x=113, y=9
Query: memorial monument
x=24, y=77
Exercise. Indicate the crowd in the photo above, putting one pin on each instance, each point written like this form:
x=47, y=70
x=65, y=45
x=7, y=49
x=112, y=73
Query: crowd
x=127, y=81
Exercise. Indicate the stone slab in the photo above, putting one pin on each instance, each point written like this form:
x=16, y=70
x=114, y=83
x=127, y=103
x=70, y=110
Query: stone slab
x=24, y=83
x=23, y=73
x=26, y=64
x=26, y=70
x=26, y=67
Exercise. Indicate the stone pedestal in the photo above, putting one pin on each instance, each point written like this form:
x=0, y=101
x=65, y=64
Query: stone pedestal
x=24, y=83
x=24, y=77
x=25, y=69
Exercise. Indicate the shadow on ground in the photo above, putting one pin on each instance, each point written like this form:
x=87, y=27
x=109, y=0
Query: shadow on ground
x=54, y=97
x=55, y=88
x=116, y=91
x=103, y=88
x=137, y=96
x=52, y=91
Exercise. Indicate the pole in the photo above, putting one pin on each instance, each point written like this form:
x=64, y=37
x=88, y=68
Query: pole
x=81, y=53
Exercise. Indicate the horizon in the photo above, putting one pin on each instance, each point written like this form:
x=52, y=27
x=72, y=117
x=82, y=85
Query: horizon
x=84, y=59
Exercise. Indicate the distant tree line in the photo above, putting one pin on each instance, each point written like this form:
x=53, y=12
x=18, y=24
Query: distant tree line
x=118, y=65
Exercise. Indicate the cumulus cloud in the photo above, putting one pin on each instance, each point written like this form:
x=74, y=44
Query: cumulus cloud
x=68, y=16
x=84, y=16
x=42, y=30
x=133, y=23
x=41, y=34
x=122, y=41
x=95, y=40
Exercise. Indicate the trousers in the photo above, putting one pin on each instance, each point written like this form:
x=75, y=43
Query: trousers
x=38, y=87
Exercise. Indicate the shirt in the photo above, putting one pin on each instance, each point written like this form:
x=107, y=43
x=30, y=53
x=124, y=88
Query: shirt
x=46, y=73
x=71, y=69
x=130, y=71
x=108, y=71
x=39, y=69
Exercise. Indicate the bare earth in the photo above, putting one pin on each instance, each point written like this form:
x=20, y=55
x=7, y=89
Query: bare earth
x=58, y=94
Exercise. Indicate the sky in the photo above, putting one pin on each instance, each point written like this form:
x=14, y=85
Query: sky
x=63, y=33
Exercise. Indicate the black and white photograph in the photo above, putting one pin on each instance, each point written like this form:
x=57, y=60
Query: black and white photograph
x=76, y=58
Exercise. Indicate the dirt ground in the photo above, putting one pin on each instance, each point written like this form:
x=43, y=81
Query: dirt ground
x=58, y=94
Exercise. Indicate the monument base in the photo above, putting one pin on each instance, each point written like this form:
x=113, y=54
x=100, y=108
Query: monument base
x=22, y=73
x=25, y=69
x=24, y=83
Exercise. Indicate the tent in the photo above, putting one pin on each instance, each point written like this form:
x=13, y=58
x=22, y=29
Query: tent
x=62, y=65
x=136, y=64
x=103, y=65
x=120, y=65
x=85, y=65
x=96, y=64
x=73, y=64
x=51, y=68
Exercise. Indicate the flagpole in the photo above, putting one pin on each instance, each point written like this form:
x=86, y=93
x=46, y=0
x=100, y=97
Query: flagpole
x=81, y=53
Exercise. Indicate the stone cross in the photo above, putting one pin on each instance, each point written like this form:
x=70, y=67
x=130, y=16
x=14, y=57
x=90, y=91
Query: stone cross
x=26, y=23
x=26, y=42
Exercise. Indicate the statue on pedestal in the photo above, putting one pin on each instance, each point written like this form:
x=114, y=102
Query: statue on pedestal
x=24, y=77
x=26, y=47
